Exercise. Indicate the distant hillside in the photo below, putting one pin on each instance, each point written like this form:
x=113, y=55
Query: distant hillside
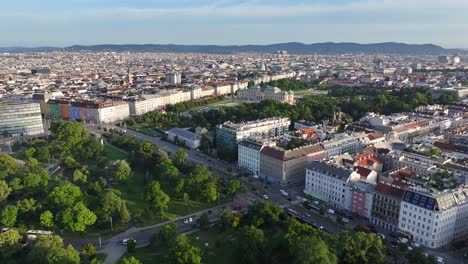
x=293, y=47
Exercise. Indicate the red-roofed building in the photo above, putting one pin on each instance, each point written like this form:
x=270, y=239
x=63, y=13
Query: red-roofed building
x=386, y=205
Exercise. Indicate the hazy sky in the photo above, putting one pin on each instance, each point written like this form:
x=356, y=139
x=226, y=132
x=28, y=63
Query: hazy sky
x=68, y=22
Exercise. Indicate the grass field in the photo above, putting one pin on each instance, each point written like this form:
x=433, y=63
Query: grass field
x=113, y=154
x=133, y=191
x=310, y=92
x=217, y=251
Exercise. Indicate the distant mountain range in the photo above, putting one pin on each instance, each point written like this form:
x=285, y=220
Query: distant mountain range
x=292, y=47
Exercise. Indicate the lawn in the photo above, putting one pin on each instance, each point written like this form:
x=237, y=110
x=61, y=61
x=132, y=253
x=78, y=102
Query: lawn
x=309, y=92
x=217, y=251
x=112, y=153
x=133, y=192
x=147, y=255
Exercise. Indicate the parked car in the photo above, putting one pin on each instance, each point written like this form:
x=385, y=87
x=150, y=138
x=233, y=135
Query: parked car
x=188, y=220
x=403, y=240
x=283, y=192
x=265, y=196
x=330, y=211
x=440, y=260
x=415, y=244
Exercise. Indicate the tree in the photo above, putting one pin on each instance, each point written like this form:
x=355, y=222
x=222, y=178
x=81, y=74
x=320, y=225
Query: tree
x=182, y=252
x=124, y=214
x=203, y=220
x=42, y=246
x=233, y=188
x=89, y=250
x=7, y=166
x=9, y=243
x=263, y=213
x=225, y=217
x=47, y=219
x=158, y=199
x=78, y=217
x=79, y=177
x=29, y=153
x=65, y=195
x=8, y=215
x=168, y=233
x=131, y=245
x=250, y=245
x=64, y=256
x=123, y=171
x=179, y=157
x=69, y=136
x=111, y=204
x=5, y=190
x=310, y=249
x=417, y=256
x=359, y=248
x=130, y=260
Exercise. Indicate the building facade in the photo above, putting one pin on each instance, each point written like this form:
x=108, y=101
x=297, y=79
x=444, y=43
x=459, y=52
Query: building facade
x=386, y=206
x=257, y=93
x=248, y=156
x=183, y=136
x=228, y=135
x=434, y=219
x=21, y=119
x=287, y=166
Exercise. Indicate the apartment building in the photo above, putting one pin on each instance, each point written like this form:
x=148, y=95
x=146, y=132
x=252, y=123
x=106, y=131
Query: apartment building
x=434, y=219
x=327, y=182
x=386, y=205
x=287, y=166
x=229, y=134
x=248, y=155
x=96, y=112
x=343, y=143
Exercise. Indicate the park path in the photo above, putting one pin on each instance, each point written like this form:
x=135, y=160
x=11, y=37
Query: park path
x=114, y=249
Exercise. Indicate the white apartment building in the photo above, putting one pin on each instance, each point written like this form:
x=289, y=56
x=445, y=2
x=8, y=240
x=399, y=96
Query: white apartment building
x=116, y=112
x=340, y=186
x=343, y=143
x=173, y=78
x=140, y=107
x=249, y=156
x=327, y=182
x=434, y=219
x=229, y=134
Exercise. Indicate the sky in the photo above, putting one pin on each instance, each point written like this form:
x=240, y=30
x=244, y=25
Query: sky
x=61, y=23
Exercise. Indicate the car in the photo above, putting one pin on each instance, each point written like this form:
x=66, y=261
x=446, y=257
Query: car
x=394, y=244
x=308, y=215
x=283, y=192
x=255, y=176
x=266, y=187
x=188, y=220
x=440, y=260
x=403, y=240
x=415, y=244
x=125, y=241
x=265, y=196
x=316, y=202
x=410, y=248
x=330, y=211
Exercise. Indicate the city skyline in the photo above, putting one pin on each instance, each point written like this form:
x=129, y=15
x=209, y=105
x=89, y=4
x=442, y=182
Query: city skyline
x=228, y=22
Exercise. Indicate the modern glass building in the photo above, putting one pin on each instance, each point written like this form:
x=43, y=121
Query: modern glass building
x=20, y=118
